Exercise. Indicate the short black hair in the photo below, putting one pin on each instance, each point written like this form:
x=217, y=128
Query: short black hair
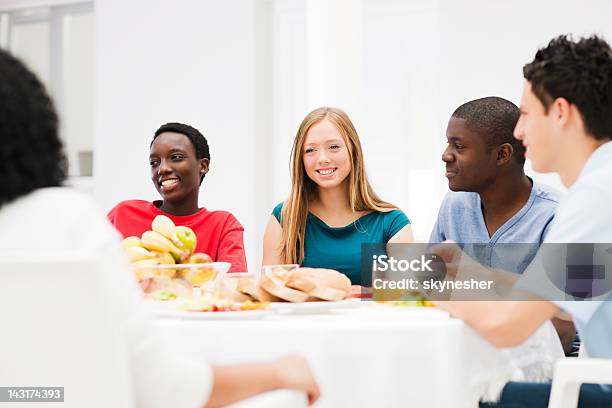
x=579, y=71
x=31, y=155
x=494, y=119
x=198, y=140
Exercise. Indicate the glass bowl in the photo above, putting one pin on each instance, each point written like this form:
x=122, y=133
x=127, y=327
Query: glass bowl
x=282, y=268
x=202, y=276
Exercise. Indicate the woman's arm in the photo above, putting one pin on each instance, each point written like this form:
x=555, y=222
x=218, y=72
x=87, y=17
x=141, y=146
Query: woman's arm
x=403, y=236
x=237, y=382
x=272, y=243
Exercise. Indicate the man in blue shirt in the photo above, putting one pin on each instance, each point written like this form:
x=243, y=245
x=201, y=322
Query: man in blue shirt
x=492, y=200
x=566, y=127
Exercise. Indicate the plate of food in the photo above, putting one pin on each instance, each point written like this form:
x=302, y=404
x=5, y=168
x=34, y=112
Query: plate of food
x=292, y=289
x=192, y=315
x=211, y=307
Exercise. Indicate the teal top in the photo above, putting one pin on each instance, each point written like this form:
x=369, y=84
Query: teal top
x=339, y=248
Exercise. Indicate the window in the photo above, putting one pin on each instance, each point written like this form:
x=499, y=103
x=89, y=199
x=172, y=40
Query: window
x=56, y=42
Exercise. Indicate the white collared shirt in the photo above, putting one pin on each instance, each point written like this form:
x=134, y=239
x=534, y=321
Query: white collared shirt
x=584, y=216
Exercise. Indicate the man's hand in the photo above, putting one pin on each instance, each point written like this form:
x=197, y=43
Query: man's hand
x=451, y=254
x=462, y=267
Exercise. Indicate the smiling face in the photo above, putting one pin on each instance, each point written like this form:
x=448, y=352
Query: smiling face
x=326, y=155
x=175, y=169
x=470, y=163
x=536, y=129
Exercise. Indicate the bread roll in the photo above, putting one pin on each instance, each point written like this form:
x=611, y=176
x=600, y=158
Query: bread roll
x=325, y=284
x=250, y=287
x=228, y=290
x=275, y=285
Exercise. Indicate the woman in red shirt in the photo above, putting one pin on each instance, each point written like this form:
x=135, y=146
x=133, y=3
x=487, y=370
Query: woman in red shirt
x=179, y=160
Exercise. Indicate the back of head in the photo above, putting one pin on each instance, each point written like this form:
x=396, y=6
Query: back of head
x=494, y=119
x=31, y=155
x=580, y=72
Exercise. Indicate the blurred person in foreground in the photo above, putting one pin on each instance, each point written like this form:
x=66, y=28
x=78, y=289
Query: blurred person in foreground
x=40, y=216
x=566, y=128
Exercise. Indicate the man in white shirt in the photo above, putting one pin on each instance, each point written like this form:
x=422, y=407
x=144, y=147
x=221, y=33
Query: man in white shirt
x=566, y=127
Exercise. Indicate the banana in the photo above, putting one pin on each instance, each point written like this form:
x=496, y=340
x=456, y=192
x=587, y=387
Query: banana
x=166, y=259
x=143, y=263
x=166, y=227
x=142, y=268
x=137, y=253
x=154, y=241
x=130, y=242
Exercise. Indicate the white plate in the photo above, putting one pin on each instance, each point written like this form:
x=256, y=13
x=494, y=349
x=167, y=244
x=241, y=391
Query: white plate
x=237, y=315
x=313, y=307
x=222, y=267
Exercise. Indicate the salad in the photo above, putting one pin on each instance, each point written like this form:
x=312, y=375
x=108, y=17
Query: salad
x=212, y=303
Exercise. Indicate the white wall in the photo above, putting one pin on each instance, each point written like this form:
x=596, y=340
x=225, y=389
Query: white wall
x=485, y=44
x=409, y=65
x=246, y=73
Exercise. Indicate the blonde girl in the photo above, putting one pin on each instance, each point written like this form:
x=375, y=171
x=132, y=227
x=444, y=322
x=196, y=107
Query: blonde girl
x=332, y=209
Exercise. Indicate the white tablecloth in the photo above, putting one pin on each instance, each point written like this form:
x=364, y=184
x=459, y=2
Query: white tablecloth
x=370, y=356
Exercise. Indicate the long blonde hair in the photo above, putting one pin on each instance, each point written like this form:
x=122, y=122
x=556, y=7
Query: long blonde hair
x=295, y=210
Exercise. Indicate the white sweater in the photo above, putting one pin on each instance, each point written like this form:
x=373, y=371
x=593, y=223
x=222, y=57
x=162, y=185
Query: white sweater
x=53, y=220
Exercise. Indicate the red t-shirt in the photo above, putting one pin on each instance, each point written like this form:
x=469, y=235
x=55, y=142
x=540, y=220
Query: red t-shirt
x=219, y=233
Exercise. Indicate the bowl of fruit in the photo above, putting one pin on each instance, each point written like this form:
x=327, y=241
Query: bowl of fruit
x=165, y=257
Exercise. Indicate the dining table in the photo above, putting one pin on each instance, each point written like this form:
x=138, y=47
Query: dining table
x=366, y=354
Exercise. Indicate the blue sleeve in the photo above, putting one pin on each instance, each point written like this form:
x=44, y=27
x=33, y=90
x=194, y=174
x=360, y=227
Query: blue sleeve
x=436, y=235
x=593, y=319
x=546, y=229
x=582, y=311
x=276, y=212
x=394, y=221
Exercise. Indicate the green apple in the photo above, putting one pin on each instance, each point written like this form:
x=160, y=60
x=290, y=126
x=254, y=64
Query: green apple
x=187, y=238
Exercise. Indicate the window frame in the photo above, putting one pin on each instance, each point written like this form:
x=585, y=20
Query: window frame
x=15, y=12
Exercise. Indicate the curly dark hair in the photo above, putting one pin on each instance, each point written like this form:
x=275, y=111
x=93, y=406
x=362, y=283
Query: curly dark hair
x=197, y=139
x=494, y=119
x=31, y=155
x=579, y=71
